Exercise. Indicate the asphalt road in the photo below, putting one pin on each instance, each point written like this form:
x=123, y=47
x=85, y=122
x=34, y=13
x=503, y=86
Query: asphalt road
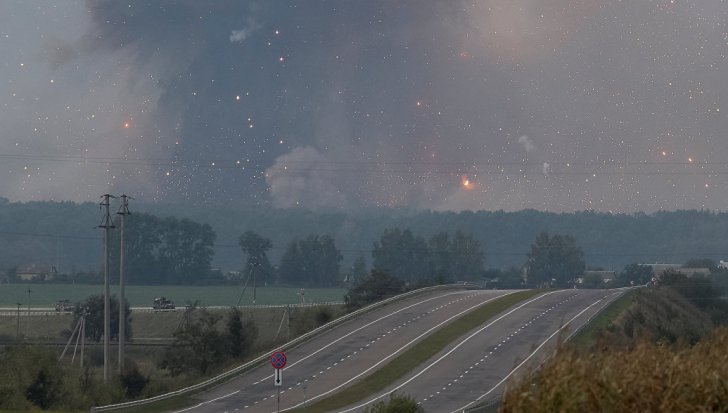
x=470, y=369
x=476, y=367
x=336, y=358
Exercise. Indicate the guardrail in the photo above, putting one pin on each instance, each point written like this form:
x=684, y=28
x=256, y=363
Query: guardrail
x=261, y=359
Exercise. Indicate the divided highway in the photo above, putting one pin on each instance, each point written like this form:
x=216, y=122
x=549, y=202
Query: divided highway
x=472, y=368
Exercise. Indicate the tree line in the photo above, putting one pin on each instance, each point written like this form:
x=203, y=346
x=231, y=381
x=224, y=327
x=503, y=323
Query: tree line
x=64, y=235
x=315, y=260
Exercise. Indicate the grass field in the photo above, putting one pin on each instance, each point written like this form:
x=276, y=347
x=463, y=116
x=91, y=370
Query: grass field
x=46, y=295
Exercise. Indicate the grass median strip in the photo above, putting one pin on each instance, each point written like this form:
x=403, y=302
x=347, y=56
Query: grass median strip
x=418, y=354
x=588, y=335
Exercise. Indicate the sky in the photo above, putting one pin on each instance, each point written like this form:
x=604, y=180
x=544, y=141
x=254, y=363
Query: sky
x=615, y=106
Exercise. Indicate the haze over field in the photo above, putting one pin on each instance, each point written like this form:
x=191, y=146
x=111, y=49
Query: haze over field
x=564, y=105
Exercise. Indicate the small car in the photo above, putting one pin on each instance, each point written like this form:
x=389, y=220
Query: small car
x=64, y=305
x=161, y=303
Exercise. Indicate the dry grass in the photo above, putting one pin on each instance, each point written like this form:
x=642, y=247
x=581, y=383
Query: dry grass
x=648, y=378
x=658, y=315
x=660, y=354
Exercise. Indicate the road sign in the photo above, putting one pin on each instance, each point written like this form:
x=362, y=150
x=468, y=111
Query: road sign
x=278, y=378
x=278, y=360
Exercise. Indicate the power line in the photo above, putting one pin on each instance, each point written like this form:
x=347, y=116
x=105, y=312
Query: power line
x=237, y=163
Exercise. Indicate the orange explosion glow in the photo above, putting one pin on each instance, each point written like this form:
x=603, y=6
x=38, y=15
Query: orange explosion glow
x=466, y=183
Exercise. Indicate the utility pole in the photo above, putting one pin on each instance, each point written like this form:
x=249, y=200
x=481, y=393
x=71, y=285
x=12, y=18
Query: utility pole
x=17, y=332
x=123, y=212
x=107, y=225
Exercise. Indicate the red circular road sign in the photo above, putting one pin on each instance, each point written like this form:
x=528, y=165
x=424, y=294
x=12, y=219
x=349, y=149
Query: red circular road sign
x=278, y=360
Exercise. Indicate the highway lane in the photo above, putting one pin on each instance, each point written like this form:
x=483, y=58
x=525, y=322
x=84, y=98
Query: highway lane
x=476, y=367
x=338, y=357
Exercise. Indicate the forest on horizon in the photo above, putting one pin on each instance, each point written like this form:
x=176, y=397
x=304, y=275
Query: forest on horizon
x=65, y=234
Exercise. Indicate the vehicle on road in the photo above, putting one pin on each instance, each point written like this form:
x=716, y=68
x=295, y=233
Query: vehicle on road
x=64, y=305
x=161, y=303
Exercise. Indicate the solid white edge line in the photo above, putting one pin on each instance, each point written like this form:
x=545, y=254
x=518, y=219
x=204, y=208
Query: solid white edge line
x=398, y=350
x=206, y=402
x=558, y=330
x=363, y=327
x=324, y=347
x=449, y=352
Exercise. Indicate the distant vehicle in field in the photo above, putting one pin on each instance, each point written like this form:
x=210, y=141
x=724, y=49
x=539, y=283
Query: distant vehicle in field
x=64, y=305
x=161, y=303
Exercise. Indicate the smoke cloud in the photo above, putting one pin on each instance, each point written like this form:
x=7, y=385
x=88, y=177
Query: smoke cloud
x=371, y=103
x=237, y=36
x=303, y=177
x=527, y=143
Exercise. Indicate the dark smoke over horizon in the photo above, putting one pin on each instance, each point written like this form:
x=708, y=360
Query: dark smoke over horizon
x=563, y=106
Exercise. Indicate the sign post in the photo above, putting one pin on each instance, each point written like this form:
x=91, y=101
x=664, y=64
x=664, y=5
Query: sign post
x=278, y=361
x=278, y=378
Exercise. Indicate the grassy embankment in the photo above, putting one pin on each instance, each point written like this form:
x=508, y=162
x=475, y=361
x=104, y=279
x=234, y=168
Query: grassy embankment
x=652, y=351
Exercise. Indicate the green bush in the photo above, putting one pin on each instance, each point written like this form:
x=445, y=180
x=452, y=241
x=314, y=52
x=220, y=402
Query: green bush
x=307, y=319
x=396, y=403
x=33, y=378
x=201, y=344
x=132, y=380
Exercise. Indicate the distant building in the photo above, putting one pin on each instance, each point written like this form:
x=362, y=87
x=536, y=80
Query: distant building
x=36, y=272
x=723, y=265
x=658, y=269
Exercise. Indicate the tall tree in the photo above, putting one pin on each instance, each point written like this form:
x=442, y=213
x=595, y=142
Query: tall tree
x=198, y=344
x=635, y=274
x=187, y=250
x=255, y=247
x=168, y=250
x=375, y=287
x=358, y=269
x=403, y=255
x=94, y=310
x=239, y=335
x=441, y=256
x=467, y=257
x=311, y=262
x=555, y=260
x=292, y=265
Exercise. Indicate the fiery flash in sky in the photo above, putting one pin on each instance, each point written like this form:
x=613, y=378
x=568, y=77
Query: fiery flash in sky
x=564, y=105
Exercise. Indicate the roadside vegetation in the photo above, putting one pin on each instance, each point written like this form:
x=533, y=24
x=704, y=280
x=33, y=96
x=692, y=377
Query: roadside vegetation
x=195, y=344
x=665, y=350
x=396, y=403
x=200, y=343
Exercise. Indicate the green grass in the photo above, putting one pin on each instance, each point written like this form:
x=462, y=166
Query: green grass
x=46, y=295
x=417, y=354
x=588, y=335
x=175, y=403
x=151, y=325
